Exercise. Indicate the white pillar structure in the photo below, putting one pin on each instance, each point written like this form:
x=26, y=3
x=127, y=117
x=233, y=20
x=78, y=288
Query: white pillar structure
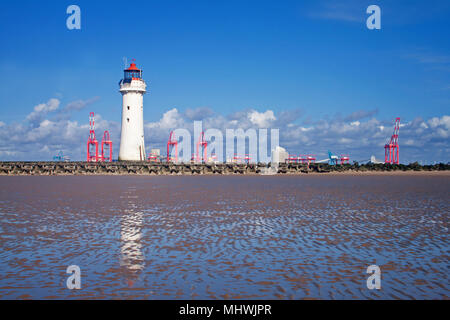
x=132, y=88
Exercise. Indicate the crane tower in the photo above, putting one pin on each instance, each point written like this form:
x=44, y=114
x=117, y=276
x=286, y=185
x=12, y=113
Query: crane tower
x=391, y=149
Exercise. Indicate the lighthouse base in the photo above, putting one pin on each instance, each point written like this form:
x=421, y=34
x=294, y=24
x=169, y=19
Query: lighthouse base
x=136, y=155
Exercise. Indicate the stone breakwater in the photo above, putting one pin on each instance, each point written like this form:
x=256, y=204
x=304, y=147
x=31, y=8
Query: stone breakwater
x=146, y=168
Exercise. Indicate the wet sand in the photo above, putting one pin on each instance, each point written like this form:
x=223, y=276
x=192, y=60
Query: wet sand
x=386, y=173
x=219, y=237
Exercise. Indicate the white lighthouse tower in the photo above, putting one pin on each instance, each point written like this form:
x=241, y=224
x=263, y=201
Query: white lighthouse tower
x=132, y=88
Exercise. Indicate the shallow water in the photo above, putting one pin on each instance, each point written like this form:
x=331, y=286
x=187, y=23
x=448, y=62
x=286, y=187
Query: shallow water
x=208, y=237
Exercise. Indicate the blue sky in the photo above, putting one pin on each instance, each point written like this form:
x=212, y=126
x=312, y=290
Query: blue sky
x=314, y=64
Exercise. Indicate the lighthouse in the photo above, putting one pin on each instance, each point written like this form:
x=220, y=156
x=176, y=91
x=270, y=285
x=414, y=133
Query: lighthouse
x=132, y=88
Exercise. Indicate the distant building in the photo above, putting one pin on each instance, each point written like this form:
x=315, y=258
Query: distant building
x=279, y=155
x=156, y=152
x=155, y=155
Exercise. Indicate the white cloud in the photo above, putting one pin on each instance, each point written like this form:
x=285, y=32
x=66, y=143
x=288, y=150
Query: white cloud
x=45, y=149
x=41, y=110
x=170, y=120
x=443, y=121
x=419, y=138
x=262, y=120
x=79, y=104
x=424, y=125
x=7, y=153
x=345, y=141
x=43, y=133
x=361, y=114
x=198, y=113
x=443, y=133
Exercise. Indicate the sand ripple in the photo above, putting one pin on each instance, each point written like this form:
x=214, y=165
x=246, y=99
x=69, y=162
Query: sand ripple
x=204, y=237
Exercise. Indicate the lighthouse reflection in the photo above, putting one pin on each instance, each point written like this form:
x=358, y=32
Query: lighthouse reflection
x=131, y=256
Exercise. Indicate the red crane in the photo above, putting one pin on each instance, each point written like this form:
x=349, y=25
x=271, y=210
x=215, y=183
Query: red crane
x=203, y=145
x=345, y=158
x=391, y=150
x=172, y=142
x=153, y=157
x=106, y=141
x=92, y=156
x=307, y=158
x=292, y=158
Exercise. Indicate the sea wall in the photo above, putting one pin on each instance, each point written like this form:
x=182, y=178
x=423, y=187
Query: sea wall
x=147, y=168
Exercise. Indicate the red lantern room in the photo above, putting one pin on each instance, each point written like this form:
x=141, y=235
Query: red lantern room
x=132, y=73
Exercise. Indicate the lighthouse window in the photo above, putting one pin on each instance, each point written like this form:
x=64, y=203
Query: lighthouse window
x=128, y=107
x=128, y=119
x=132, y=74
